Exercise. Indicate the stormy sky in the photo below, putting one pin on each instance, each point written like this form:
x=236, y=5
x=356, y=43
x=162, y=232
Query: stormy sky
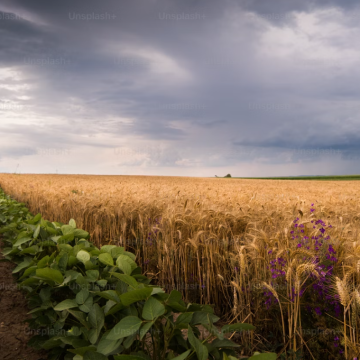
x=190, y=88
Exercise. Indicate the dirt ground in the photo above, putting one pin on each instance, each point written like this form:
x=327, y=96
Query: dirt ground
x=14, y=332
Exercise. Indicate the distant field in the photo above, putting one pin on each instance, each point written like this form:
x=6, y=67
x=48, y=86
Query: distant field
x=332, y=178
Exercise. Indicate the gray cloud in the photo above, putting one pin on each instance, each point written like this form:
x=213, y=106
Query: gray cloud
x=218, y=84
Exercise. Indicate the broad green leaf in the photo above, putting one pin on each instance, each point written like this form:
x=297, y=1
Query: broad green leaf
x=83, y=256
x=237, y=327
x=45, y=293
x=198, y=307
x=86, y=307
x=80, y=280
x=35, y=219
x=201, y=350
x=72, y=223
x=140, y=278
x=106, y=346
x=79, y=315
x=115, y=252
x=63, y=261
x=214, y=331
x=56, y=239
x=50, y=274
x=57, y=225
x=115, y=309
x=145, y=328
x=64, y=239
x=157, y=290
x=47, y=243
x=92, y=275
x=77, y=248
x=184, y=318
x=134, y=296
x=26, y=263
x=126, y=264
x=74, y=331
x=129, y=341
x=126, y=327
x=29, y=281
x=176, y=306
x=106, y=259
x=174, y=296
x=28, y=271
x=66, y=247
x=8, y=250
x=73, y=274
x=128, y=357
x=81, y=234
x=65, y=339
x=66, y=304
x=152, y=309
x=43, y=262
x=85, y=242
x=107, y=248
x=36, y=310
x=89, y=265
x=224, y=343
x=67, y=229
x=131, y=255
x=203, y=318
x=51, y=343
x=127, y=279
x=95, y=252
x=94, y=355
x=265, y=356
x=96, y=320
x=72, y=261
x=174, y=300
x=11, y=251
x=102, y=282
x=22, y=241
x=51, y=230
x=182, y=356
x=108, y=306
x=82, y=350
x=82, y=295
x=36, y=232
x=109, y=294
x=225, y=356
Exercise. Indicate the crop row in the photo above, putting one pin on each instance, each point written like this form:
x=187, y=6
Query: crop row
x=94, y=303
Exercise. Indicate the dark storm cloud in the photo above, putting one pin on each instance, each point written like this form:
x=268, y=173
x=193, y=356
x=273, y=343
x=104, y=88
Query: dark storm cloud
x=212, y=79
x=283, y=6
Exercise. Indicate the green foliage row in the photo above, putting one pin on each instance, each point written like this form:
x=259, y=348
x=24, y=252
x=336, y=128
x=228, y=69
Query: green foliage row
x=315, y=177
x=95, y=304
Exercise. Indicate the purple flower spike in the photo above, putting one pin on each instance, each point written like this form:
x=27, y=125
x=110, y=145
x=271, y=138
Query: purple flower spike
x=318, y=311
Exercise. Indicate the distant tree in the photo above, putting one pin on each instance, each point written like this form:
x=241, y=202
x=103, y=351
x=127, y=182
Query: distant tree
x=216, y=176
x=228, y=175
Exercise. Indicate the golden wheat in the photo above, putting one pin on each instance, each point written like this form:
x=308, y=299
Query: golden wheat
x=219, y=234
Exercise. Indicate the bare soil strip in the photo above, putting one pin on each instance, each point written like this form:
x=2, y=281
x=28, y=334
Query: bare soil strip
x=14, y=331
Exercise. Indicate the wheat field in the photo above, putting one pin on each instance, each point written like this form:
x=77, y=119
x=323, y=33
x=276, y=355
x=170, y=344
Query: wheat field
x=262, y=251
